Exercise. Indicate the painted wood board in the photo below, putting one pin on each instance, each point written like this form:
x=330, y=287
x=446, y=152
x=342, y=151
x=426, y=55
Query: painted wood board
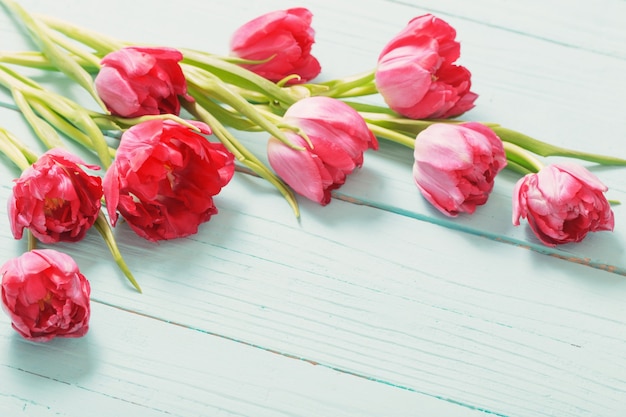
x=399, y=308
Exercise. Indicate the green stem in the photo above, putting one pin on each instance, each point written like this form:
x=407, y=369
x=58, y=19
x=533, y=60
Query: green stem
x=9, y=147
x=78, y=54
x=228, y=117
x=514, y=166
x=55, y=110
x=521, y=157
x=100, y=43
x=35, y=59
x=32, y=241
x=545, y=149
x=70, y=130
x=63, y=61
x=102, y=225
x=126, y=122
x=279, y=122
x=392, y=135
x=46, y=133
x=234, y=74
x=360, y=91
x=356, y=85
x=202, y=82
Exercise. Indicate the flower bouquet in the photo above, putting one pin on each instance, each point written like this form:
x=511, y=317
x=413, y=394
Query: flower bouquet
x=164, y=122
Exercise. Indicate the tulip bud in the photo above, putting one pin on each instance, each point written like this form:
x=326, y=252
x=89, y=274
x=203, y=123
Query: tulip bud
x=416, y=75
x=282, y=40
x=455, y=165
x=339, y=136
x=562, y=203
x=136, y=81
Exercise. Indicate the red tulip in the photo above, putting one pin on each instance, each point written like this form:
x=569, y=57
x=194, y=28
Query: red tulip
x=164, y=177
x=455, y=165
x=339, y=136
x=55, y=198
x=283, y=39
x=416, y=74
x=137, y=81
x=562, y=203
x=45, y=295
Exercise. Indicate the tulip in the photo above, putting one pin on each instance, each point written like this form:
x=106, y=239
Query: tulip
x=164, y=177
x=282, y=40
x=456, y=165
x=136, y=81
x=339, y=136
x=45, y=295
x=416, y=74
x=562, y=203
x=55, y=198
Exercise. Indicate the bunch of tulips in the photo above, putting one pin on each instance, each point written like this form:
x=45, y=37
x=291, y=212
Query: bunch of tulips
x=164, y=134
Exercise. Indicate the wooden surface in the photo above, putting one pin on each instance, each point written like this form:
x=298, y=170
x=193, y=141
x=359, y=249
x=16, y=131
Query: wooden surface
x=375, y=305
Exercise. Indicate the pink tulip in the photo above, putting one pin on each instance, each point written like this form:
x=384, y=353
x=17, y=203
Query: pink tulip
x=455, y=165
x=562, y=203
x=339, y=136
x=164, y=177
x=284, y=38
x=45, y=295
x=137, y=81
x=55, y=198
x=416, y=74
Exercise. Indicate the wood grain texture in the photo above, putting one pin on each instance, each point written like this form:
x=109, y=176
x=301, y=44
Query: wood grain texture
x=134, y=365
x=375, y=305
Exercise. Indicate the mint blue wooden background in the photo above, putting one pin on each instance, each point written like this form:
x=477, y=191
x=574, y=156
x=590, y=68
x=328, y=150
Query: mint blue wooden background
x=375, y=305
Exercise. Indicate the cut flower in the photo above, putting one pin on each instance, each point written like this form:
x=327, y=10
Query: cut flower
x=140, y=81
x=55, y=198
x=339, y=136
x=562, y=203
x=282, y=40
x=164, y=177
x=45, y=295
x=456, y=165
x=416, y=74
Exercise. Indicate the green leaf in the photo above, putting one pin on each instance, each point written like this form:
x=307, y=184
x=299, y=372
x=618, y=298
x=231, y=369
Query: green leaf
x=46, y=133
x=102, y=225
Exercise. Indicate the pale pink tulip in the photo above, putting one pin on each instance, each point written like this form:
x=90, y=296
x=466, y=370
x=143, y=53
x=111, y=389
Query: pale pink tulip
x=339, y=136
x=562, y=203
x=456, y=165
x=416, y=74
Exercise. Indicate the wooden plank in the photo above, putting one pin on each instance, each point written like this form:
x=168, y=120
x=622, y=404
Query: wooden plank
x=385, y=297
x=129, y=364
x=357, y=290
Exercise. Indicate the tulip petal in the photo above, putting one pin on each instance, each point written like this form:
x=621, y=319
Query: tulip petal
x=45, y=295
x=415, y=72
x=164, y=178
x=286, y=37
x=297, y=168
